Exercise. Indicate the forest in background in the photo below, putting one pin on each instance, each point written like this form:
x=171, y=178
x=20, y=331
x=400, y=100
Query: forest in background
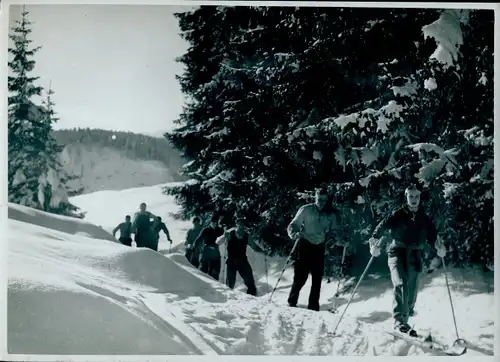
x=134, y=146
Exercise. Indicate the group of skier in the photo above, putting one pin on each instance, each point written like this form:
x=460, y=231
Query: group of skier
x=146, y=228
x=202, y=250
x=411, y=231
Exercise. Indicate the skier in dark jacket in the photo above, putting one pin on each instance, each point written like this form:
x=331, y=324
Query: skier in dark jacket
x=210, y=256
x=313, y=225
x=237, y=240
x=192, y=254
x=159, y=226
x=125, y=231
x=412, y=231
x=142, y=228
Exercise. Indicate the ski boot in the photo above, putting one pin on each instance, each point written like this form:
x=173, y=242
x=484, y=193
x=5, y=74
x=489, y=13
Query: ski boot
x=406, y=329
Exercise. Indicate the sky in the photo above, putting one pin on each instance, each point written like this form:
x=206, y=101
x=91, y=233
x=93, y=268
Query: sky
x=110, y=66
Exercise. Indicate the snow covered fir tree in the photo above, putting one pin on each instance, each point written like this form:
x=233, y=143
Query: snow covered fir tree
x=35, y=176
x=364, y=101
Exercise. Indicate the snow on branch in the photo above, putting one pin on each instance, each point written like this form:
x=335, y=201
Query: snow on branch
x=223, y=132
x=365, y=181
x=407, y=90
x=477, y=136
x=431, y=147
x=367, y=155
x=384, y=116
x=432, y=169
x=447, y=33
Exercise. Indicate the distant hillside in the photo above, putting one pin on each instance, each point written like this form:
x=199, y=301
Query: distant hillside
x=108, y=160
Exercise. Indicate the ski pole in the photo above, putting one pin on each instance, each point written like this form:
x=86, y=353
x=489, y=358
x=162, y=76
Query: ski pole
x=284, y=268
x=224, y=276
x=354, y=292
x=458, y=340
x=265, y=267
x=336, y=295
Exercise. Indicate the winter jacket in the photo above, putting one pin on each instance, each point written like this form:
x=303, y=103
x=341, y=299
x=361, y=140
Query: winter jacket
x=408, y=230
x=316, y=226
x=191, y=236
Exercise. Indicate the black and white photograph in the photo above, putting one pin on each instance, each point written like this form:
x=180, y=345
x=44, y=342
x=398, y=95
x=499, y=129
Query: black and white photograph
x=249, y=179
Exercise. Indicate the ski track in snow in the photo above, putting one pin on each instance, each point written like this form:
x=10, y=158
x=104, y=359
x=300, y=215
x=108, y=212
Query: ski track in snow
x=136, y=301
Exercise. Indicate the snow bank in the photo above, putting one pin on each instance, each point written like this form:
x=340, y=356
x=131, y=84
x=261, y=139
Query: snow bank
x=55, y=222
x=69, y=294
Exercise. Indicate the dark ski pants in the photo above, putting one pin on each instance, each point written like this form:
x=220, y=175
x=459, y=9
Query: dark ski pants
x=152, y=247
x=192, y=257
x=210, y=261
x=310, y=259
x=146, y=241
x=243, y=267
x=126, y=241
x=405, y=267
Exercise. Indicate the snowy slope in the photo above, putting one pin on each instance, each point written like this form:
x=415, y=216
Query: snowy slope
x=137, y=301
x=101, y=168
x=108, y=208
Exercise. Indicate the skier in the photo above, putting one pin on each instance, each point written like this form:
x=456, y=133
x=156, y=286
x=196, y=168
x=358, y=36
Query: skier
x=141, y=228
x=313, y=225
x=125, y=230
x=193, y=255
x=410, y=227
x=237, y=240
x=158, y=226
x=210, y=256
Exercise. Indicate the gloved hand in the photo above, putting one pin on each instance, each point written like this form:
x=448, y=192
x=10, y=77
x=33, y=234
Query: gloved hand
x=374, y=247
x=441, y=250
x=170, y=241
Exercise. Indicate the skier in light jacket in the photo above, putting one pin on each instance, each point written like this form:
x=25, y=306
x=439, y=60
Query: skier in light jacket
x=313, y=225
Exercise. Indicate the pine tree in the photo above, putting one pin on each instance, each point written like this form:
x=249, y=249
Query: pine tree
x=34, y=176
x=435, y=132
x=22, y=141
x=262, y=93
x=53, y=191
x=289, y=99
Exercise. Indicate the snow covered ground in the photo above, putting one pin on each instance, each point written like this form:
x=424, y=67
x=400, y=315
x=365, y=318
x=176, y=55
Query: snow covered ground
x=73, y=291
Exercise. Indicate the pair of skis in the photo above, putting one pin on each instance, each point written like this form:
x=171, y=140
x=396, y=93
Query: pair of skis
x=458, y=348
